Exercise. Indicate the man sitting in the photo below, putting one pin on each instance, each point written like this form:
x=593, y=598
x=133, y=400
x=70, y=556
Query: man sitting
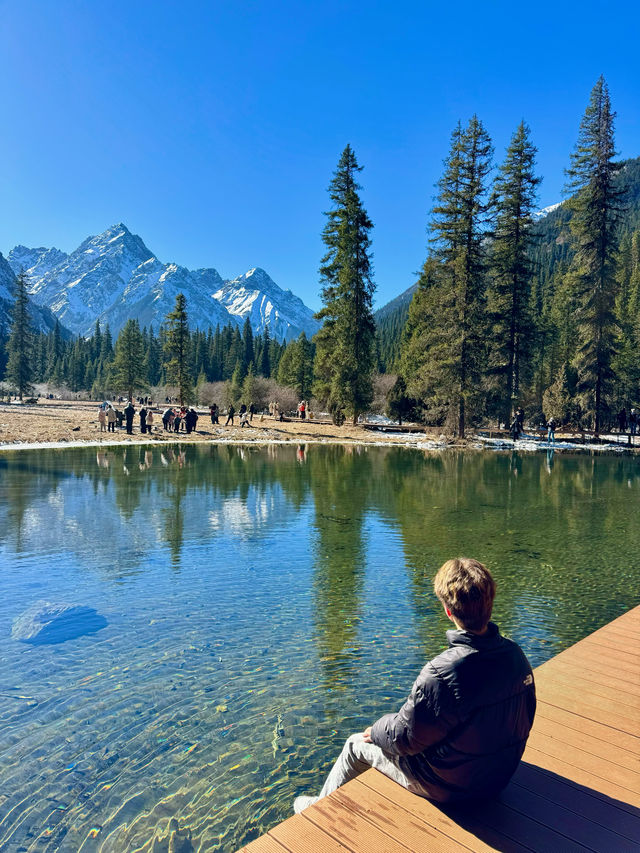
x=462, y=731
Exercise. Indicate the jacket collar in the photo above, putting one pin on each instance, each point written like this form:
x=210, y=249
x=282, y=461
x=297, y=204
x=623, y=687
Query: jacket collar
x=466, y=638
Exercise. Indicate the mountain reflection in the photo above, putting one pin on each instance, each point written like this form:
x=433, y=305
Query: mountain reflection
x=554, y=530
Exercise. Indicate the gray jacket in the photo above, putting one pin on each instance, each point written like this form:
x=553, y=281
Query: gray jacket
x=463, y=729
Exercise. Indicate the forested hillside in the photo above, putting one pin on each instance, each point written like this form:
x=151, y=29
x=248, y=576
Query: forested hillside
x=551, y=255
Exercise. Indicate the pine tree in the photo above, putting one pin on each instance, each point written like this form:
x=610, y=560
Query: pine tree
x=19, y=369
x=444, y=352
x=264, y=365
x=295, y=369
x=596, y=206
x=127, y=370
x=177, y=348
x=510, y=294
x=345, y=346
x=248, y=355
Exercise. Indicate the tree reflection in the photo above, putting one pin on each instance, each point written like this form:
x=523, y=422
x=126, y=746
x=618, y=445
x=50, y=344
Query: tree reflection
x=340, y=483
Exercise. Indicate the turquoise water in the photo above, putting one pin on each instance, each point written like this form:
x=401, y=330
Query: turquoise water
x=262, y=604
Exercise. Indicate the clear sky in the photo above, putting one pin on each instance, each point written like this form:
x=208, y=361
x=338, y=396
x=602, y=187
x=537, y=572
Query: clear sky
x=212, y=129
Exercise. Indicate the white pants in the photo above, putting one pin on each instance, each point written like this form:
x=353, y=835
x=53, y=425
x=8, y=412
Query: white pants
x=357, y=756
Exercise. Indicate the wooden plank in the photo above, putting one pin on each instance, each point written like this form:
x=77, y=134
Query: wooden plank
x=578, y=799
x=339, y=822
x=265, y=844
x=593, y=708
x=598, y=784
x=467, y=834
x=370, y=806
x=584, y=655
x=594, y=729
x=574, y=737
x=300, y=834
x=586, y=761
x=521, y=828
x=608, y=681
x=569, y=682
x=578, y=827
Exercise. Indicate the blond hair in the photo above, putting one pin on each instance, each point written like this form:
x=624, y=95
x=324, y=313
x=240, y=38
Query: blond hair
x=467, y=589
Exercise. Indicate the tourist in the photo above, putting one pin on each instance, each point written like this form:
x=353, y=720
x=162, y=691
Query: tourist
x=129, y=412
x=177, y=420
x=462, y=731
x=190, y=420
x=149, y=420
x=230, y=413
x=242, y=411
x=167, y=418
x=520, y=419
x=514, y=429
x=622, y=420
x=633, y=421
x=252, y=411
x=551, y=430
x=276, y=412
x=143, y=420
x=111, y=419
x=244, y=417
x=213, y=411
x=102, y=419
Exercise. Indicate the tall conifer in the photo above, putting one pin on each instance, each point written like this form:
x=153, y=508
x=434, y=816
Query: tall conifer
x=510, y=293
x=20, y=364
x=345, y=351
x=445, y=344
x=596, y=205
x=177, y=347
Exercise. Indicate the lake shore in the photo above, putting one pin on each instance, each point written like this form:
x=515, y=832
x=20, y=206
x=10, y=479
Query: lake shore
x=58, y=423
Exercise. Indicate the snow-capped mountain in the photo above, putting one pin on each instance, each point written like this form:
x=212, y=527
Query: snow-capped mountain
x=258, y=297
x=540, y=214
x=41, y=318
x=113, y=277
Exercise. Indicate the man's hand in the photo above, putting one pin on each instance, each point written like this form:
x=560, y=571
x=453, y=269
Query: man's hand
x=366, y=734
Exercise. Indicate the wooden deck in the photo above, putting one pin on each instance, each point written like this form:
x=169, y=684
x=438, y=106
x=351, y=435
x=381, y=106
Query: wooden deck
x=577, y=789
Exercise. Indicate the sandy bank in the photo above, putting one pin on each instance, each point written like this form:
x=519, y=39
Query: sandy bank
x=54, y=423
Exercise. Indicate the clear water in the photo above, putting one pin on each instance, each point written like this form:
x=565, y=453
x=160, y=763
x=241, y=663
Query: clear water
x=262, y=604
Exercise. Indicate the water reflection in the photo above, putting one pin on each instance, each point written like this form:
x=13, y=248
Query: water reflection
x=262, y=603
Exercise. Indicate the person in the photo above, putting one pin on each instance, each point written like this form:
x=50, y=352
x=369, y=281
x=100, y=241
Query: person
x=252, y=411
x=276, y=411
x=633, y=421
x=230, y=413
x=551, y=430
x=111, y=419
x=166, y=418
x=462, y=731
x=242, y=411
x=177, y=420
x=190, y=420
x=150, y=420
x=303, y=410
x=244, y=418
x=514, y=429
x=143, y=419
x=622, y=419
x=520, y=419
x=129, y=412
x=213, y=411
x=102, y=419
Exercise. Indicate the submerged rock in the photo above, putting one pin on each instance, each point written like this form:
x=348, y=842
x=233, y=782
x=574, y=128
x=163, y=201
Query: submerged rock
x=47, y=623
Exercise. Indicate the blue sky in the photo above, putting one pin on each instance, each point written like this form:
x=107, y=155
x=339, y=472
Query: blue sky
x=212, y=128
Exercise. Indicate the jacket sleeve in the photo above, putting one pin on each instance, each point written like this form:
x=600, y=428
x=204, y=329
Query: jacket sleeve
x=422, y=721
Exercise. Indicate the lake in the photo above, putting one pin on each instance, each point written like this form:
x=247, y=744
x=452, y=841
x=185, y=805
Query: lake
x=261, y=604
